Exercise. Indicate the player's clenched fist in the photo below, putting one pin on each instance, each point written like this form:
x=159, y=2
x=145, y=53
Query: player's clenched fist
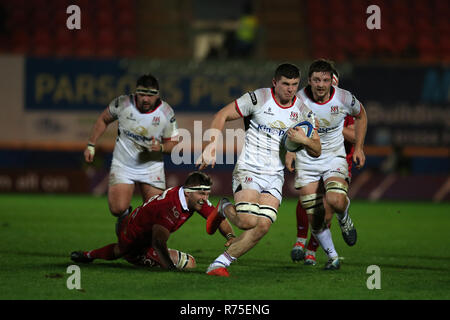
x=89, y=152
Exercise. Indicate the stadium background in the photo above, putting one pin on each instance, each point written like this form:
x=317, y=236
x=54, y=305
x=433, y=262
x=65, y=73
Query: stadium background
x=56, y=81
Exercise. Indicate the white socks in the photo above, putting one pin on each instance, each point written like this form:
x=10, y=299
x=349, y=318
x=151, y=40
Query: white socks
x=224, y=260
x=326, y=242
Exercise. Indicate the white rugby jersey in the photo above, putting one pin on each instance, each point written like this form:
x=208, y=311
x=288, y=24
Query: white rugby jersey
x=265, y=124
x=136, y=131
x=331, y=116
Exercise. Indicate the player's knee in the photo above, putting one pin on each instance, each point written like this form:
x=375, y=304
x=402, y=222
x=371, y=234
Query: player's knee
x=336, y=195
x=262, y=228
x=117, y=209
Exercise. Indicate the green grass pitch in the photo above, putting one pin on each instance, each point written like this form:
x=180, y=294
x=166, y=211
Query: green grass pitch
x=409, y=241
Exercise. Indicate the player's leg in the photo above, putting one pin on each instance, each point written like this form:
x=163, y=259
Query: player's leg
x=268, y=206
x=149, y=258
x=243, y=215
x=119, y=198
x=109, y=252
x=310, y=200
x=336, y=197
x=153, y=182
x=314, y=205
x=148, y=191
x=311, y=249
x=249, y=238
x=297, y=252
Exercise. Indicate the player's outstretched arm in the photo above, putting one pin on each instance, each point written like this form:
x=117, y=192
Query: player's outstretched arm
x=99, y=128
x=160, y=235
x=227, y=113
x=359, y=157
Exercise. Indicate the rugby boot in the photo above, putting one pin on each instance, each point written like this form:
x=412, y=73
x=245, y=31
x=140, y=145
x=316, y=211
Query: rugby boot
x=215, y=270
x=348, y=231
x=333, y=264
x=298, y=252
x=80, y=256
x=310, y=260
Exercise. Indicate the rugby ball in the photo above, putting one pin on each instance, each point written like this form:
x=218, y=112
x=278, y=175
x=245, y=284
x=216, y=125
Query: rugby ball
x=294, y=146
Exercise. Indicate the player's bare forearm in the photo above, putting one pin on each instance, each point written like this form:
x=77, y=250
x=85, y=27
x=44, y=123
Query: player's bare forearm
x=360, y=134
x=208, y=156
x=100, y=126
x=313, y=146
x=349, y=134
x=160, y=235
x=227, y=113
x=360, y=128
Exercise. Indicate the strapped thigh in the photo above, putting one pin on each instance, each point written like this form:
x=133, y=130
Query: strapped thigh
x=337, y=187
x=312, y=203
x=247, y=207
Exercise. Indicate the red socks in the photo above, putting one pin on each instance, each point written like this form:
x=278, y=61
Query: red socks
x=302, y=221
x=105, y=253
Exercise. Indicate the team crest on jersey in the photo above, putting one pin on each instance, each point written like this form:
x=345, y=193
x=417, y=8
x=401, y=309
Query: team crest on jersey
x=334, y=110
x=293, y=116
x=156, y=121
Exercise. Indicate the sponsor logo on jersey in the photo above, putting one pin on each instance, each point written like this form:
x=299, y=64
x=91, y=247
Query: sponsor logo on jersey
x=275, y=128
x=325, y=130
x=135, y=136
x=248, y=180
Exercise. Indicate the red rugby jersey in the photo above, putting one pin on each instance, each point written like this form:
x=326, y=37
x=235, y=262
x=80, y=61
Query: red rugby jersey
x=168, y=210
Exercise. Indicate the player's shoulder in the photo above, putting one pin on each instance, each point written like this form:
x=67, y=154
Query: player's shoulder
x=258, y=97
x=344, y=96
x=166, y=109
x=122, y=101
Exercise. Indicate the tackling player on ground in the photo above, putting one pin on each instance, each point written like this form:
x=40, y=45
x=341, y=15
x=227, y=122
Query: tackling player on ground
x=147, y=129
x=298, y=251
x=331, y=105
x=143, y=234
x=258, y=176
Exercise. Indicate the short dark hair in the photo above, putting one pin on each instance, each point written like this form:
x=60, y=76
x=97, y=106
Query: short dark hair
x=286, y=70
x=197, y=178
x=148, y=81
x=322, y=65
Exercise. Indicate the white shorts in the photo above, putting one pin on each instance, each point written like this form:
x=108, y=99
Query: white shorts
x=263, y=183
x=323, y=168
x=154, y=176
